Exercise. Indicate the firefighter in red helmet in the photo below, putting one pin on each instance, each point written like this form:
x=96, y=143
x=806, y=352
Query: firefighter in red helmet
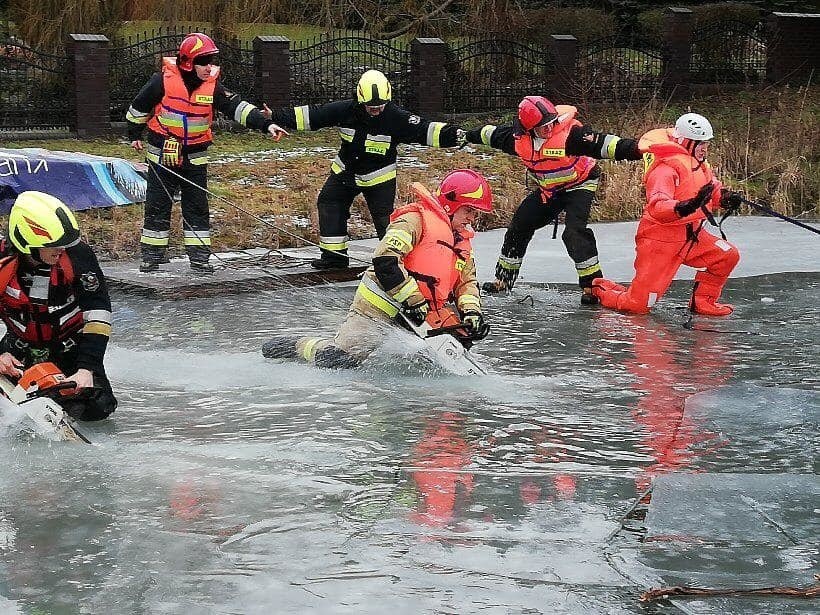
x=423, y=263
x=177, y=105
x=559, y=153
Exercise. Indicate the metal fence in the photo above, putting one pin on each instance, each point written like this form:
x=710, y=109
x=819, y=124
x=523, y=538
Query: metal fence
x=137, y=58
x=728, y=52
x=327, y=68
x=35, y=92
x=493, y=74
x=619, y=69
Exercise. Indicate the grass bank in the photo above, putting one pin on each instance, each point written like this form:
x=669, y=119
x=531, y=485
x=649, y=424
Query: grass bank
x=766, y=146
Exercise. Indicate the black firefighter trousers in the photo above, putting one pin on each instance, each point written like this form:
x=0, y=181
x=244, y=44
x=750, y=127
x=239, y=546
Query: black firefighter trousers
x=161, y=187
x=533, y=213
x=336, y=198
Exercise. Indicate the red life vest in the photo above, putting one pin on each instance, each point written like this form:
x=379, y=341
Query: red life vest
x=437, y=260
x=185, y=116
x=660, y=148
x=549, y=165
x=30, y=319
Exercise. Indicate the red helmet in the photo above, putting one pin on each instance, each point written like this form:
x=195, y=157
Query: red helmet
x=464, y=187
x=536, y=111
x=193, y=46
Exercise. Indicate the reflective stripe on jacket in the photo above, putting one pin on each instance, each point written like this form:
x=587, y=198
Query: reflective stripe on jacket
x=549, y=165
x=29, y=316
x=183, y=115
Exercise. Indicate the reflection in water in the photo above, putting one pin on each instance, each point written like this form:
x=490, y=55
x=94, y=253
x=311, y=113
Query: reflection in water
x=668, y=366
x=225, y=483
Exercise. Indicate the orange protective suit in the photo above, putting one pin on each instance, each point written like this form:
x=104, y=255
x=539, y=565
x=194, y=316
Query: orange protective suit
x=665, y=240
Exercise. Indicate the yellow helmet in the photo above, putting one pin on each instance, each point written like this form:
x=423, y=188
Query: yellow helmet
x=374, y=89
x=39, y=220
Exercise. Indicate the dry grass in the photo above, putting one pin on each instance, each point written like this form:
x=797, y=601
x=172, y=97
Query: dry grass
x=767, y=147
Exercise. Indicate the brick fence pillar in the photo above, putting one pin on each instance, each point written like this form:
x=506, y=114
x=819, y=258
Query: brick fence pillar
x=677, y=33
x=271, y=59
x=427, y=76
x=793, y=50
x=89, y=57
x=564, y=54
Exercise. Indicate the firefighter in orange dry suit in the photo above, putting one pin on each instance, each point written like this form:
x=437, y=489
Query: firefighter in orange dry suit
x=681, y=193
x=424, y=261
x=559, y=153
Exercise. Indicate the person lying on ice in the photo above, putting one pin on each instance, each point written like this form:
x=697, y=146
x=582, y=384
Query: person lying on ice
x=681, y=194
x=424, y=261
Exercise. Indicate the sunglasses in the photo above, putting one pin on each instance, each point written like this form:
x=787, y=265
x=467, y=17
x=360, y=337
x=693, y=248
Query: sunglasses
x=205, y=60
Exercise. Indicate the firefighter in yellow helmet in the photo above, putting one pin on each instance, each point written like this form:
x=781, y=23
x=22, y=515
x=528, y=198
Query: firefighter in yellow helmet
x=54, y=302
x=371, y=127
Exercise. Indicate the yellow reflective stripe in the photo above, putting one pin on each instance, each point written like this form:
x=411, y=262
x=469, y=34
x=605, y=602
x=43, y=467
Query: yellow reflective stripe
x=410, y=287
x=509, y=266
x=465, y=300
x=309, y=351
x=243, y=115
x=302, y=122
x=610, y=142
x=562, y=177
x=132, y=115
x=399, y=239
x=434, y=133
x=100, y=328
x=589, y=270
x=154, y=241
x=487, y=133
x=198, y=158
x=376, y=180
x=375, y=300
x=554, y=152
x=337, y=166
x=590, y=184
x=152, y=157
x=346, y=137
x=333, y=247
x=197, y=241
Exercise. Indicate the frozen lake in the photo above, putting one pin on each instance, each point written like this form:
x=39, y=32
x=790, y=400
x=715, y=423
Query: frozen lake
x=226, y=483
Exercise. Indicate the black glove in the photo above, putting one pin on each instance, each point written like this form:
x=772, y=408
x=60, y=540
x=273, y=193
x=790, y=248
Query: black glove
x=690, y=206
x=477, y=329
x=417, y=313
x=730, y=201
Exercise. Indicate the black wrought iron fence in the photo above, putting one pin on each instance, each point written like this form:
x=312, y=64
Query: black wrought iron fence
x=619, y=69
x=327, y=68
x=728, y=52
x=133, y=63
x=35, y=91
x=494, y=74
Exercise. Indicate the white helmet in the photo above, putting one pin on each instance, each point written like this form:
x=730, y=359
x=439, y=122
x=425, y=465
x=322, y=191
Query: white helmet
x=693, y=126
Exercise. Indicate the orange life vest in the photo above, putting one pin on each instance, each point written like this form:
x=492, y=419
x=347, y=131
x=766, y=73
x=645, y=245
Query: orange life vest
x=185, y=116
x=31, y=319
x=549, y=165
x=659, y=148
x=437, y=260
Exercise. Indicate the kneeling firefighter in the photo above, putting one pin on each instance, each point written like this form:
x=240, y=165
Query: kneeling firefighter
x=54, y=302
x=682, y=193
x=424, y=261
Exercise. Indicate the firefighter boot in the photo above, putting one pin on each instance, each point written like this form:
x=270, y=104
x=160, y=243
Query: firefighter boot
x=588, y=297
x=704, y=300
x=336, y=259
x=281, y=347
